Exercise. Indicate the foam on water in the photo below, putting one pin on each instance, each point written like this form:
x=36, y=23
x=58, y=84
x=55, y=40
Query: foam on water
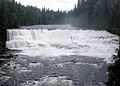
x=54, y=81
x=43, y=42
x=49, y=81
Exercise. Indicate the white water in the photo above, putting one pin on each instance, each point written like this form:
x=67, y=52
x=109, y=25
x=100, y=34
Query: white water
x=47, y=43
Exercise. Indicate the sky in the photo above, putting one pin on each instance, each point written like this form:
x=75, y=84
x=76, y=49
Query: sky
x=63, y=5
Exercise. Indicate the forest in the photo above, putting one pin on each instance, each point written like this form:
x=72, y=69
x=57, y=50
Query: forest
x=102, y=14
x=92, y=14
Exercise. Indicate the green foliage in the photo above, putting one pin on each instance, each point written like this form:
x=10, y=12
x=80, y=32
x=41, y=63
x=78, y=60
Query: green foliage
x=103, y=14
x=14, y=14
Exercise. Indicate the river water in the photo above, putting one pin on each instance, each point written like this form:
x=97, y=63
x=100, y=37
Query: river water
x=57, y=55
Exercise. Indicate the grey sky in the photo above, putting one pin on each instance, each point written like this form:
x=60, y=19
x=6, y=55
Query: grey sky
x=52, y=4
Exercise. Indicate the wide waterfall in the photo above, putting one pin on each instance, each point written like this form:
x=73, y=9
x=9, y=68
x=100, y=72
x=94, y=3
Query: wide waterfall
x=44, y=42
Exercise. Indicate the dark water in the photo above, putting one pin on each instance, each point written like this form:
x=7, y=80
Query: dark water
x=63, y=71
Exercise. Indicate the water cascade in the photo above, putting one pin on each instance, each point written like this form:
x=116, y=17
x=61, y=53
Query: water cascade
x=62, y=42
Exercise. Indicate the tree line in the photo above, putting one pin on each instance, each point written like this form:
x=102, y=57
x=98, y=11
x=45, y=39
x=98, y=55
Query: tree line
x=103, y=14
x=87, y=13
x=13, y=14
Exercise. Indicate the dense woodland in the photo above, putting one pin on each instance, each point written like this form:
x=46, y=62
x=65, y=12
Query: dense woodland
x=104, y=14
x=100, y=14
x=13, y=14
x=97, y=13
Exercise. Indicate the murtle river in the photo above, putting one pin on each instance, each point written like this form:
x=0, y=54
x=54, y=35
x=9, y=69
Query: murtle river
x=56, y=55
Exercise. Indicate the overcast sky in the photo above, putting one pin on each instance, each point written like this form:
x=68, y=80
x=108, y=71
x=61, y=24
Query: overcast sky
x=52, y=4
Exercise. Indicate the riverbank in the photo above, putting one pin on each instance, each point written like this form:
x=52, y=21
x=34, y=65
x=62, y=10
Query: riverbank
x=114, y=69
x=114, y=31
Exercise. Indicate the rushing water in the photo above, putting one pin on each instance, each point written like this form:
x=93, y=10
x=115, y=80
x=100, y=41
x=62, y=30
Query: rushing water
x=58, y=56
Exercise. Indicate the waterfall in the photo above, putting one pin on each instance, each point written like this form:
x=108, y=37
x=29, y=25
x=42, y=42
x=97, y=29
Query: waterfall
x=23, y=38
x=45, y=42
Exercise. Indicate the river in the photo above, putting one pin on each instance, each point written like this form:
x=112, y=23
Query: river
x=57, y=55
